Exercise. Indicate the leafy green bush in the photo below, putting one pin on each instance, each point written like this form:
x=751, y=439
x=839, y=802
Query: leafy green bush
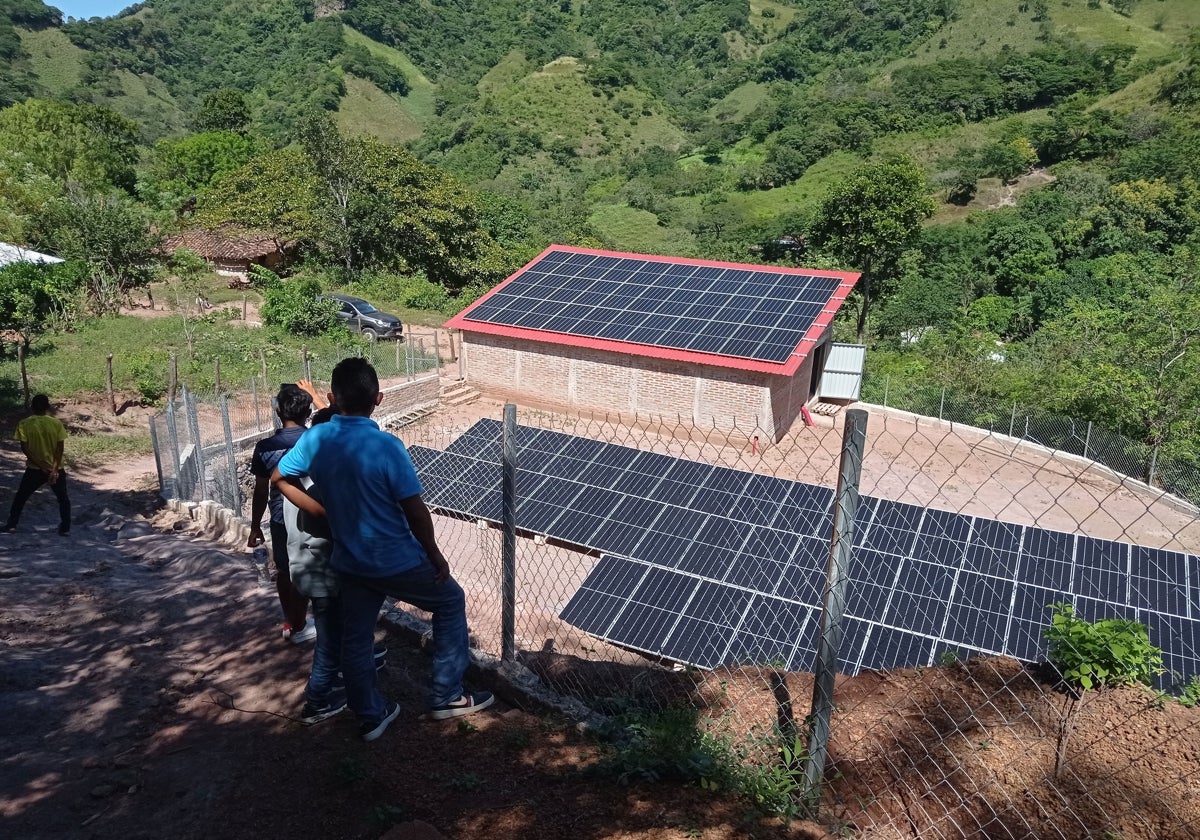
x=1108, y=652
x=294, y=306
x=149, y=371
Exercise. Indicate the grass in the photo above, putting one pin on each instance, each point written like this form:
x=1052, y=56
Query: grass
x=58, y=63
x=89, y=450
x=740, y=101
x=365, y=109
x=419, y=103
x=801, y=195
x=986, y=27
x=508, y=70
x=630, y=229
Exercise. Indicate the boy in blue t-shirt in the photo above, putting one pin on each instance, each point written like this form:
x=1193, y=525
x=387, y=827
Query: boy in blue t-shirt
x=383, y=546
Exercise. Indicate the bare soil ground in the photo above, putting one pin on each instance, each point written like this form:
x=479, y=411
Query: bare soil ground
x=147, y=694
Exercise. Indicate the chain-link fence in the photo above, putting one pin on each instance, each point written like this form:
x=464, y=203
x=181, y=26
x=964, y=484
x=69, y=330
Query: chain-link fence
x=1176, y=470
x=651, y=565
x=643, y=564
x=203, y=439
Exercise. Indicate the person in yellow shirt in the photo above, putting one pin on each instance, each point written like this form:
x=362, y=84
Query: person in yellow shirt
x=41, y=438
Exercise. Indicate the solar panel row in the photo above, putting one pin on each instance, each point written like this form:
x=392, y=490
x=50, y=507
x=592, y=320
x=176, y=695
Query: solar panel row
x=760, y=314
x=687, y=544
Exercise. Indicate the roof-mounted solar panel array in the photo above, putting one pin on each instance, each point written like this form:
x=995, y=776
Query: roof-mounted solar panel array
x=759, y=313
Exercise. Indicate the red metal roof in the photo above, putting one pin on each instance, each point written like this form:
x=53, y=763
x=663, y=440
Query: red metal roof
x=462, y=321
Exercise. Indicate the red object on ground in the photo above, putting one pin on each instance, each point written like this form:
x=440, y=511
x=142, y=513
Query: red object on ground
x=807, y=417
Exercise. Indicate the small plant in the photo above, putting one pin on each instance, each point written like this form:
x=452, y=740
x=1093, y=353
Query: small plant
x=515, y=739
x=1108, y=652
x=1189, y=694
x=949, y=657
x=465, y=727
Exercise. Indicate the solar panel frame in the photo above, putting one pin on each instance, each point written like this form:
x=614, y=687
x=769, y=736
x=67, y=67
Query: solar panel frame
x=666, y=304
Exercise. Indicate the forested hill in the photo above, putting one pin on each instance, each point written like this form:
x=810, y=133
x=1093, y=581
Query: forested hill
x=1019, y=174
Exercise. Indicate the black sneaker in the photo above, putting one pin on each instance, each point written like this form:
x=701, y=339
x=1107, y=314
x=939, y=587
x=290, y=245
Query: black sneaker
x=468, y=704
x=371, y=731
x=317, y=712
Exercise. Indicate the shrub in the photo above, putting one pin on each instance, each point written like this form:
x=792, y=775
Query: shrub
x=294, y=306
x=149, y=371
x=1108, y=652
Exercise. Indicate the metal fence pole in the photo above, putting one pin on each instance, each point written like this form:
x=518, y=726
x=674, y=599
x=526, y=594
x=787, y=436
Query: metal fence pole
x=942, y=405
x=1012, y=423
x=1087, y=439
x=887, y=382
x=173, y=432
x=841, y=539
x=230, y=459
x=254, y=398
x=508, y=556
x=398, y=343
x=193, y=418
x=157, y=454
x=437, y=350
x=1153, y=466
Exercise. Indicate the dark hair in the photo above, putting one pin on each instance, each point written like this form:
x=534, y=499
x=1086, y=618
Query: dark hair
x=355, y=386
x=40, y=403
x=323, y=415
x=294, y=404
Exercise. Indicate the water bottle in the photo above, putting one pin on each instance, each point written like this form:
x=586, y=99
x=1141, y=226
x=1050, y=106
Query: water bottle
x=260, y=555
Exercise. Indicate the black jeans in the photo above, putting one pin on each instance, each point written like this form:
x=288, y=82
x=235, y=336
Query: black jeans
x=31, y=481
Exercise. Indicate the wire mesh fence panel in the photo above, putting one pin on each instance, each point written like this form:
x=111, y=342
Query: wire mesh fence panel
x=661, y=564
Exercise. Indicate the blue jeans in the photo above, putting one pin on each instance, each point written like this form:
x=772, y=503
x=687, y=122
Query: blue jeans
x=361, y=600
x=327, y=650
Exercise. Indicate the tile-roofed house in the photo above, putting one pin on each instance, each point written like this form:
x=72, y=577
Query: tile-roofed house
x=231, y=252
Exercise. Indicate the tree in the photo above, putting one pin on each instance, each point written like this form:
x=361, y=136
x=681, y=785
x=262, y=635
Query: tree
x=276, y=193
x=113, y=237
x=35, y=297
x=296, y=306
x=223, y=110
x=869, y=219
x=1132, y=365
x=187, y=166
x=84, y=144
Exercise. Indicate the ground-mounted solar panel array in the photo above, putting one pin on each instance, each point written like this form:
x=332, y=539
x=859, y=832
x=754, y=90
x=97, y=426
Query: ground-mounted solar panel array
x=709, y=565
x=759, y=313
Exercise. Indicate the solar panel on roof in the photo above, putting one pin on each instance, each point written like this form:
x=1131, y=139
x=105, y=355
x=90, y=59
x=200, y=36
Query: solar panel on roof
x=685, y=578
x=717, y=308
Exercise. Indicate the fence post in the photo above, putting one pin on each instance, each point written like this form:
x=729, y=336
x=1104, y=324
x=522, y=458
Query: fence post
x=1013, y=420
x=887, y=382
x=254, y=397
x=942, y=404
x=305, y=363
x=1026, y=427
x=262, y=357
x=245, y=311
x=508, y=555
x=1087, y=439
x=437, y=349
x=193, y=418
x=173, y=379
x=399, y=341
x=112, y=398
x=173, y=432
x=1153, y=466
x=235, y=485
x=157, y=454
x=841, y=540
x=217, y=375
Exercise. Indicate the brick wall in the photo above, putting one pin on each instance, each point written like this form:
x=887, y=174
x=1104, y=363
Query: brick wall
x=753, y=403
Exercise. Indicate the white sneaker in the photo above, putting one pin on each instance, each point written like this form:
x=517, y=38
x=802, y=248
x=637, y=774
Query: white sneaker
x=306, y=634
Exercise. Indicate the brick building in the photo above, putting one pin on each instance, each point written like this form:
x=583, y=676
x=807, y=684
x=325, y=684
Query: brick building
x=735, y=347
